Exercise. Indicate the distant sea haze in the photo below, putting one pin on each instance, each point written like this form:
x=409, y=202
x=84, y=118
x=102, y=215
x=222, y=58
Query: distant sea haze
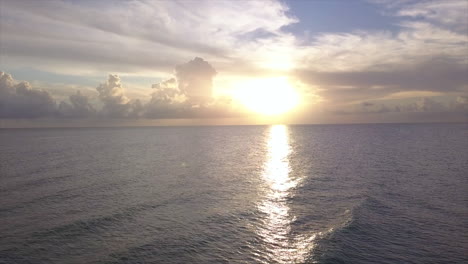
x=392, y=193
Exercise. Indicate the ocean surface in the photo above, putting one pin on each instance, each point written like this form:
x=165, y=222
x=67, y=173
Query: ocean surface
x=387, y=193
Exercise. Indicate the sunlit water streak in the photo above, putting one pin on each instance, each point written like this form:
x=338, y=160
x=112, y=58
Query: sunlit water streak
x=281, y=244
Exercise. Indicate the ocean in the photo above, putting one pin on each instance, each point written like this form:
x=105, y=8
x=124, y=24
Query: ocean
x=380, y=193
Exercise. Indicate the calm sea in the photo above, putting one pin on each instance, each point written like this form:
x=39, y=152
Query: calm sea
x=393, y=193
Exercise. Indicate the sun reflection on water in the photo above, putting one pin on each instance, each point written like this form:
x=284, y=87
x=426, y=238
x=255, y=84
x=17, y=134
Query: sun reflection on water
x=281, y=245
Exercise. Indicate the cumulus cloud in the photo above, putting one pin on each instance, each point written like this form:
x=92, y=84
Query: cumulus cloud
x=115, y=103
x=79, y=106
x=20, y=100
x=189, y=94
x=111, y=92
x=167, y=101
x=195, y=78
x=190, y=89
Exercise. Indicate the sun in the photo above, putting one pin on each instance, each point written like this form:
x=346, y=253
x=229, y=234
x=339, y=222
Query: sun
x=267, y=96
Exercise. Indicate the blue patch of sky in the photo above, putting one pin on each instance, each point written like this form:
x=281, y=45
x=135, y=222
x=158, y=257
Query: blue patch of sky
x=256, y=34
x=144, y=81
x=338, y=16
x=31, y=74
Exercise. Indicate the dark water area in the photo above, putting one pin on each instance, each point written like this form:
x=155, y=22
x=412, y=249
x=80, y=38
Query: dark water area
x=390, y=193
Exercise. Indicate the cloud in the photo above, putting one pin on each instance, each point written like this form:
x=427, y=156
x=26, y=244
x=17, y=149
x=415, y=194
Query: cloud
x=115, y=103
x=428, y=29
x=148, y=35
x=383, y=50
x=111, y=93
x=447, y=13
x=213, y=108
x=195, y=78
x=439, y=75
x=79, y=106
x=189, y=94
x=419, y=105
x=20, y=100
x=428, y=105
x=386, y=72
x=167, y=101
x=460, y=104
x=427, y=54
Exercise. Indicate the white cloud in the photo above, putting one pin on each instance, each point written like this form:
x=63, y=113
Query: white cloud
x=195, y=78
x=189, y=94
x=426, y=55
x=447, y=13
x=136, y=35
x=363, y=51
x=116, y=103
x=111, y=92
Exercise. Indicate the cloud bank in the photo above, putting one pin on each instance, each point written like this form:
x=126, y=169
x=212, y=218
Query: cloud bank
x=187, y=95
x=20, y=100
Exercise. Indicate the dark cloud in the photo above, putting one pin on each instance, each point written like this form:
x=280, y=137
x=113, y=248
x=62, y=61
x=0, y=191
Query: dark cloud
x=420, y=105
x=20, y=100
x=436, y=75
x=367, y=104
x=79, y=106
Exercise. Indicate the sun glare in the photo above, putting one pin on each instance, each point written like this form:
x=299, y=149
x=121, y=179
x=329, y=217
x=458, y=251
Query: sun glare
x=267, y=96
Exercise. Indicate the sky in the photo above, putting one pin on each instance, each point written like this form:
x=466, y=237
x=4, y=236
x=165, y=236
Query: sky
x=147, y=62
